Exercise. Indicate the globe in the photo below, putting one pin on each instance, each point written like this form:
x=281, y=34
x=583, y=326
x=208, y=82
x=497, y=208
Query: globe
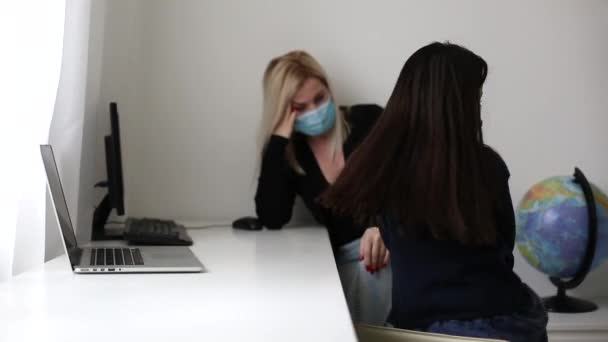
x=552, y=226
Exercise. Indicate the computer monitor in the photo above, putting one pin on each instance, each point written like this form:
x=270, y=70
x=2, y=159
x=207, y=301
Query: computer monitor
x=114, y=162
x=114, y=199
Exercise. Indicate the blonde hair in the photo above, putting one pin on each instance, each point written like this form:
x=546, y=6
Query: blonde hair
x=283, y=77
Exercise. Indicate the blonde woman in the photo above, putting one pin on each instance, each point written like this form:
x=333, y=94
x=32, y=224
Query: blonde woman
x=305, y=141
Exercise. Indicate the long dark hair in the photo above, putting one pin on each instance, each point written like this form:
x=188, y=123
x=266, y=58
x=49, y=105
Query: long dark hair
x=423, y=163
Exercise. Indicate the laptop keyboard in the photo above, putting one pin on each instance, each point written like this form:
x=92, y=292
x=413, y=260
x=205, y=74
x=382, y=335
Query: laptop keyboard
x=116, y=257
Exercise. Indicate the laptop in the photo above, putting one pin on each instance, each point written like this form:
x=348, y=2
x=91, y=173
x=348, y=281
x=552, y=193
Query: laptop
x=112, y=258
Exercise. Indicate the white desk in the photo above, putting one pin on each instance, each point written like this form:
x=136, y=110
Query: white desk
x=260, y=286
x=582, y=327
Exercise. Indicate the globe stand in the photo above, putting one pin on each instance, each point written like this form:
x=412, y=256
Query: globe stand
x=561, y=302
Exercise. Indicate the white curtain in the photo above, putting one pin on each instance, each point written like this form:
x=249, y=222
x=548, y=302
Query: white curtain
x=31, y=34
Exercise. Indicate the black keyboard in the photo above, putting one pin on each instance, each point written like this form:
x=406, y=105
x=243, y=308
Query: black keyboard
x=146, y=231
x=116, y=257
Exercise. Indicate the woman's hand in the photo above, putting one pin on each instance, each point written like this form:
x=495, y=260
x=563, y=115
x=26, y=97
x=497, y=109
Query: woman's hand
x=285, y=127
x=373, y=251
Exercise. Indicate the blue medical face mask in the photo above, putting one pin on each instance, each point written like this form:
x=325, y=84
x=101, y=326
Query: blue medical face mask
x=317, y=121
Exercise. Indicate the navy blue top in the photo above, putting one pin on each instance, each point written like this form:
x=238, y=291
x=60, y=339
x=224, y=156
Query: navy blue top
x=444, y=280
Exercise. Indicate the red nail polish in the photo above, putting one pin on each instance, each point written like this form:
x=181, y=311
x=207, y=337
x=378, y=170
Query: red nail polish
x=360, y=257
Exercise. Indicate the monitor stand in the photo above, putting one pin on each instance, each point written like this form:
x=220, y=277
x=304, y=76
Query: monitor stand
x=100, y=217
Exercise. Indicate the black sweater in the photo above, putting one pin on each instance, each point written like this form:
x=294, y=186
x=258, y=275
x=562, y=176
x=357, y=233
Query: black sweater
x=445, y=280
x=278, y=183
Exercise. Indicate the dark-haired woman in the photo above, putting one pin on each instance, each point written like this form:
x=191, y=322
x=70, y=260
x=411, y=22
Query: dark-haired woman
x=443, y=202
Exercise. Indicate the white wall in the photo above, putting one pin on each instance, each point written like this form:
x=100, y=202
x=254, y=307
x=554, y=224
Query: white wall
x=119, y=80
x=88, y=197
x=72, y=132
x=188, y=83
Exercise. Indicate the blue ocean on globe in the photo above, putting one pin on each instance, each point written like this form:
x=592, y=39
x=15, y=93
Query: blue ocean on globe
x=552, y=226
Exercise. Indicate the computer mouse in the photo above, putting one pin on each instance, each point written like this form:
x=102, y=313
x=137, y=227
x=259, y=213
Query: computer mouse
x=247, y=223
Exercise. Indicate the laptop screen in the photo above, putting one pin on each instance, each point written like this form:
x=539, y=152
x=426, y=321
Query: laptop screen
x=58, y=197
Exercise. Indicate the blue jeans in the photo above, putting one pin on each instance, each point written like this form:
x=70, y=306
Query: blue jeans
x=368, y=295
x=527, y=326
